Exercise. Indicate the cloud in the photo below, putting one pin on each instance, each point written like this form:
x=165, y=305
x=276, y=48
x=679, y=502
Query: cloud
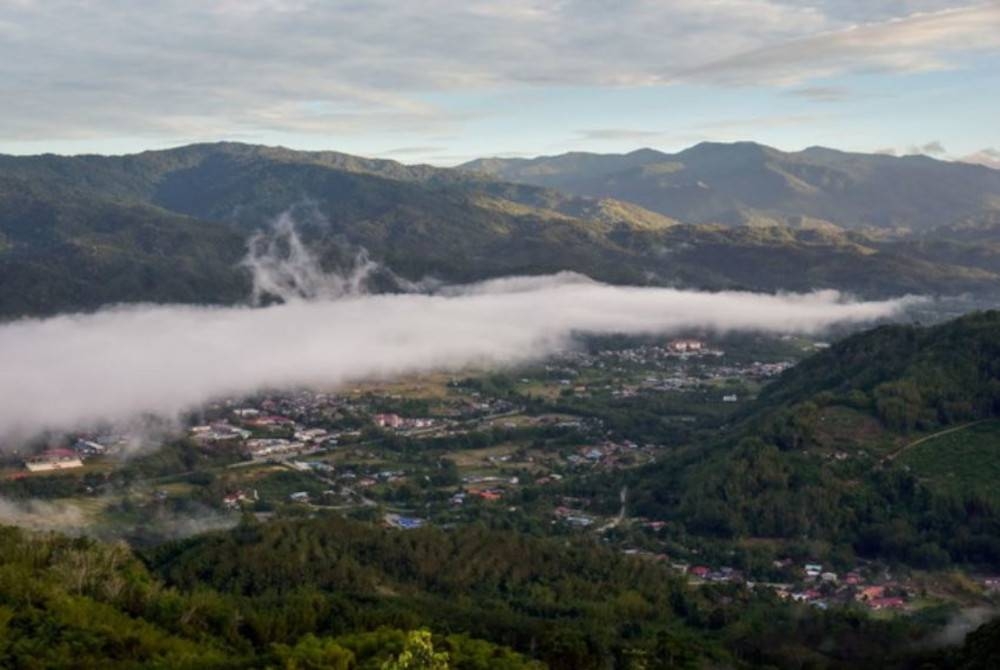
x=932, y=148
x=989, y=157
x=410, y=151
x=70, y=371
x=821, y=93
x=83, y=69
x=918, y=42
x=741, y=124
x=632, y=134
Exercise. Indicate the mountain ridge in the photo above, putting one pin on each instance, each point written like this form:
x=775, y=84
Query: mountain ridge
x=710, y=181
x=421, y=221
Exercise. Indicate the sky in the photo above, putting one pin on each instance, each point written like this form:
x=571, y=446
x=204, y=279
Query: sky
x=443, y=82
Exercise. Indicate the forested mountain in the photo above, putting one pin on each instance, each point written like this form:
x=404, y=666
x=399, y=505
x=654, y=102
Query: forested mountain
x=746, y=182
x=853, y=451
x=77, y=232
x=62, y=250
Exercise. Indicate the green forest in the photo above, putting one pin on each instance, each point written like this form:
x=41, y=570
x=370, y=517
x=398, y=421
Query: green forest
x=332, y=593
x=815, y=457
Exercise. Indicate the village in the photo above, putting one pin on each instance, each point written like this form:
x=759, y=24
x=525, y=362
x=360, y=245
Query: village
x=448, y=449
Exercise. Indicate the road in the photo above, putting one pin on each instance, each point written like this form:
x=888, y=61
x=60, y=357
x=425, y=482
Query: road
x=925, y=438
x=623, y=496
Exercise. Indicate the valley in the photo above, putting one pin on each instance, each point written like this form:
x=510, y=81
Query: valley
x=562, y=450
x=499, y=335
x=646, y=493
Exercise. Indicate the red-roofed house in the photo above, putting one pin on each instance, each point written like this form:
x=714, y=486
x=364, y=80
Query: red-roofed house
x=54, y=459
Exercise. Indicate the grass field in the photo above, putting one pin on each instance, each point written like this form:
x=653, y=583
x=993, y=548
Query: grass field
x=966, y=461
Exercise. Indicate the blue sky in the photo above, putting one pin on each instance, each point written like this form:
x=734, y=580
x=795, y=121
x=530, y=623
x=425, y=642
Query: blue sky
x=441, y=82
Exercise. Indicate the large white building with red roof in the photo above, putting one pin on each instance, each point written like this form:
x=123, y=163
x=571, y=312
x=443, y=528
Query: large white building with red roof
x=54, y=459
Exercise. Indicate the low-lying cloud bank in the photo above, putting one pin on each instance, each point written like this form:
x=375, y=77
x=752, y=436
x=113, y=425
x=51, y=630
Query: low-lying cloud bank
x=68, y=372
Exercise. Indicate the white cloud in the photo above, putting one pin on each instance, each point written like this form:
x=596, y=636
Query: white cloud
x=915, y=43
x=822, y=93
x=932, y=148
x=68, y=371
x=618, y=134
x=988, y=157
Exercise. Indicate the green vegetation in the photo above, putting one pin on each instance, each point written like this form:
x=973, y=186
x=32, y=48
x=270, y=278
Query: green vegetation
x=963, y=462
x=76, y=603
x=330, y=593
x=787, y=472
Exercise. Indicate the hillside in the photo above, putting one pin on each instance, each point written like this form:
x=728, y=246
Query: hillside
x=823, y=457
x=332, y=593
x=62, y=250
x=78, y=232
x=731, y=183
x=211, y=198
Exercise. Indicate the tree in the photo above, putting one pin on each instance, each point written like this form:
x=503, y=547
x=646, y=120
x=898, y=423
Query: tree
x=313, y=653
x=418, y=654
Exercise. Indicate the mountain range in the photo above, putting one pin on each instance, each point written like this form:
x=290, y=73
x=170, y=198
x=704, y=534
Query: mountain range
x=748, y=183
x=172, y=225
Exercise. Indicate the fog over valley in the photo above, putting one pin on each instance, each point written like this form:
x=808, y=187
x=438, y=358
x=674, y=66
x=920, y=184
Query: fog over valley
x=67, y=372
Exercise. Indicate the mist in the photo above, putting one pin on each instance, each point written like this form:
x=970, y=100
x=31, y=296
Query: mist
x=41, y=515
x=283, y=267
x=68, y=372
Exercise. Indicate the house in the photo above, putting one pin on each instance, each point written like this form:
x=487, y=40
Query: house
x=870, y=593
x=491, y=495
x=813, y=569
x=218, y=432
x=89, y=448
x=699, y=571
x=578, y=520
x=732, y=397
x=310, y=435
x=270, y=420
x=262, y=447
x=685, y=346
x=403, y=522
x=806, y=596
x=237, y=498
x=388, y=420
x=894, y=603
x=54, y=459
x=299, y=497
